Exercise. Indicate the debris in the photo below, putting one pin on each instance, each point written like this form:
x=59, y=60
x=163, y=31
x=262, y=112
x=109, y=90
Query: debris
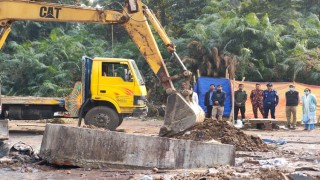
x=5, y=160
x=157, y=178
x=88, y=169
x=239, y=161
x=212, y=171
x=4, y=149
x=270, y=174
x=145, y=177
x=213, y=141
x=307, y=169
x=280, y=142
x=283, y=127
x=22, y=148
x=239, y=124
x=20, y=153
x=300, y=176
x=90, y=126
x=41, y=162
x=225, y=133
x=269, y=163
x=285, y=177
x=57, y=121
x=155, y=169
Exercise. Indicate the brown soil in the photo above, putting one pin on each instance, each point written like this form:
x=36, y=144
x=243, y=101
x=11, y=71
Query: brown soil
x=225, y=133
x=268, y=174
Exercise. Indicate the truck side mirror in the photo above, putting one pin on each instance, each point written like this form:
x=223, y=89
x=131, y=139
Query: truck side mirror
x=128, y=76
x=133, y=6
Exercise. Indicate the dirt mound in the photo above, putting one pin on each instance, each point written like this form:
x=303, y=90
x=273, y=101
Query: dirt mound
x=225, y=133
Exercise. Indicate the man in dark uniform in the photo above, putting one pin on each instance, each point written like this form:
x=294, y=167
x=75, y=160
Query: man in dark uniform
x=270, y=101
x=208, y=100
x=240, y=97
x=256, y=98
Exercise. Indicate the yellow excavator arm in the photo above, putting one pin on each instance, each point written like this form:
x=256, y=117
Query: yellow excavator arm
x=134, y=17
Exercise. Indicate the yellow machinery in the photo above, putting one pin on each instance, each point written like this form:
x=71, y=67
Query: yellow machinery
x=99, y=104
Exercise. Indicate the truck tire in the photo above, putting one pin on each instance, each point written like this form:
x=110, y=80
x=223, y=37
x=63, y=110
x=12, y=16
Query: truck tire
x=102, y=117
x=120, y=120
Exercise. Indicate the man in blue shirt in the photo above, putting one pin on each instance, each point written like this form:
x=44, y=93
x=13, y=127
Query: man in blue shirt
x=270, y=101
x=208, y=100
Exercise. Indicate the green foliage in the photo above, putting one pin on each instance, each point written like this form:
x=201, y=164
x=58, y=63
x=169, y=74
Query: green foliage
x=259, y=45
x=48, y=67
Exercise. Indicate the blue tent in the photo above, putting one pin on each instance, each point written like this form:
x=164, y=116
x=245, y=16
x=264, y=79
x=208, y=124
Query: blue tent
x=202, y=86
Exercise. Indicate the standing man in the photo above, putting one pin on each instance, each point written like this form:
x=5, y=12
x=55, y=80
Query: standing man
x=218, y=98
x=256, y=98
x=292, y=101
x=208, y=100
x=270, y=101
x=240, y=97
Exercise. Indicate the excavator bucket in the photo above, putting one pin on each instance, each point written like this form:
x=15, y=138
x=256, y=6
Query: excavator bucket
x=4, y=130
x=180, y=115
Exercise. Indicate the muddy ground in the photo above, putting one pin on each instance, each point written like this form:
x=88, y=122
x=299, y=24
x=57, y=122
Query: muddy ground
x=300, y=157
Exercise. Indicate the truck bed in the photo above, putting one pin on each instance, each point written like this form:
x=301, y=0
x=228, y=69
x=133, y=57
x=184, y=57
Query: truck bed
x=31, y=100
x=30, y=108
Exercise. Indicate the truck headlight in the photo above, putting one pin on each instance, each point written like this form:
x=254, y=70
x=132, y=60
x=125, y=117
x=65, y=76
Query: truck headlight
x=141, y=102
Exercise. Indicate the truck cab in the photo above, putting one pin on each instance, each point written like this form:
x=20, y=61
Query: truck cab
x=112, y=88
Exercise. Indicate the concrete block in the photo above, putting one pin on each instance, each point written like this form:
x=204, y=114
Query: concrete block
x=64, y=145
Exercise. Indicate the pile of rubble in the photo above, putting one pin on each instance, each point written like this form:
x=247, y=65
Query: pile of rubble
x=19, y=155
x=224, y=132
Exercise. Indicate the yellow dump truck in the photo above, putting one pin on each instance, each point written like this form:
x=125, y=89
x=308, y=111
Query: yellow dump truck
x=110, y=88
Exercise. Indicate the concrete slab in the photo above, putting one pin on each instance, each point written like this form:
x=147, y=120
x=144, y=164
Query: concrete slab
x=65, y=145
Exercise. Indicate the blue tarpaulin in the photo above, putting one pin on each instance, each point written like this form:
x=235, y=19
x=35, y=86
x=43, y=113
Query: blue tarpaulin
x=202, y=86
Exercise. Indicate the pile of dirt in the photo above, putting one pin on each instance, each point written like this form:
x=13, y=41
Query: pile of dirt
x=225, y=133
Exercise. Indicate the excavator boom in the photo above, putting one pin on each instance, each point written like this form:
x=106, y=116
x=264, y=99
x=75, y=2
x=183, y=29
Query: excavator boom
x=181, y=112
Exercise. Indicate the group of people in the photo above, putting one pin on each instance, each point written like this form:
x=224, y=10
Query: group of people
x=264, y=100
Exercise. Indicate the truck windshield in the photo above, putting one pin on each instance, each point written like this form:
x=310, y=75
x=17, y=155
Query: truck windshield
x=137, y=73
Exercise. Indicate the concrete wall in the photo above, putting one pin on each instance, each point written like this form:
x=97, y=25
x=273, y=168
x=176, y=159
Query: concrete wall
x=82, y=147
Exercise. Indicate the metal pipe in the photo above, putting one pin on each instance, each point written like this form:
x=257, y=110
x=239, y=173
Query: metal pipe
x=180, y=62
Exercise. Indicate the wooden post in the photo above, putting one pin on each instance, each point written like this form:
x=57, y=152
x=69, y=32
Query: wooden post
x=227, y=73
x=232, y=101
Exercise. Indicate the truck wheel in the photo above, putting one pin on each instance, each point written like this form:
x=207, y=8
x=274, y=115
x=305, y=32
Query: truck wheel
x=102, y=117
